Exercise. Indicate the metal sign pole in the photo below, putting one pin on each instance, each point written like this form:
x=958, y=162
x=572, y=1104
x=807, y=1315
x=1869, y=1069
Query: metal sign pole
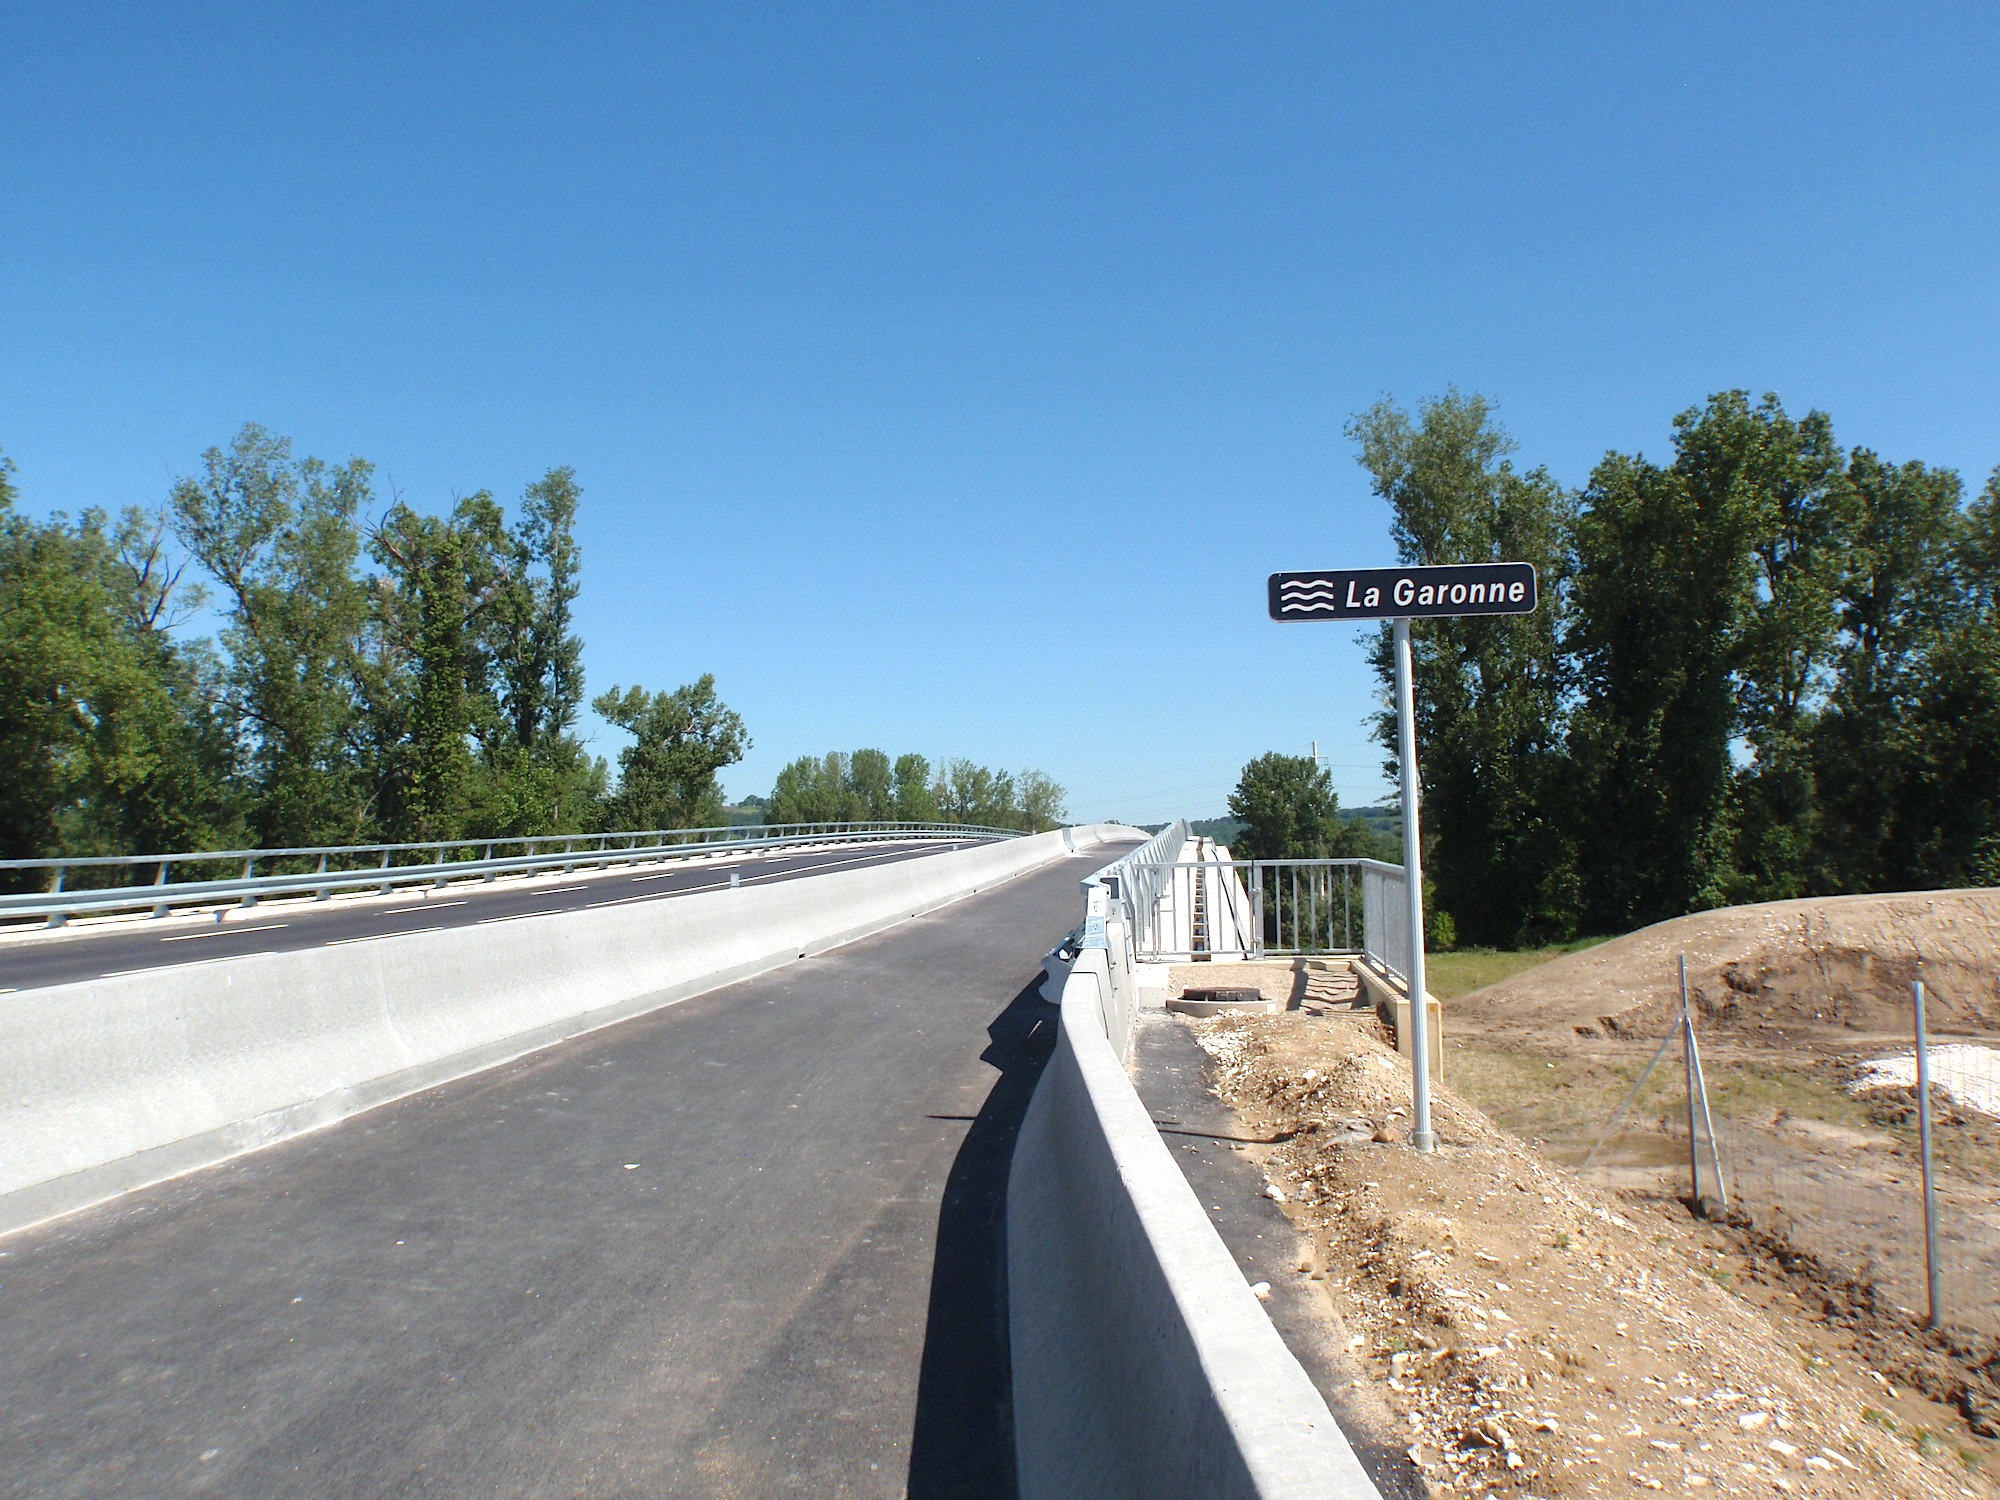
x=1399, y=595
x=1421, y=1135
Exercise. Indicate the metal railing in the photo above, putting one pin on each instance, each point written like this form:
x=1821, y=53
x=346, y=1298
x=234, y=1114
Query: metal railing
x=1136, y=883
x=1385, y=920
x=1255, y=909
x=322, y=870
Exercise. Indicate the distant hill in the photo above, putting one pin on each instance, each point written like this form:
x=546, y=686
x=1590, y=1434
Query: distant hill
x=1222, y=830
x=748, y=813
x=1383, y=818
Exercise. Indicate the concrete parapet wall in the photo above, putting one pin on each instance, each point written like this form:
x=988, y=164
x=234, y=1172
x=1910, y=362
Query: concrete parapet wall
x=113, y=1083
x=1391, y=999
x=1143, y=1365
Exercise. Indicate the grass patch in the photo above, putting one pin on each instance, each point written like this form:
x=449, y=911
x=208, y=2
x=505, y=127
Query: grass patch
x=1449, y=975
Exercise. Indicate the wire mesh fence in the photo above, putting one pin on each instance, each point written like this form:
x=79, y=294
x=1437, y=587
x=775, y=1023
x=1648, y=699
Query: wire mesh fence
x=1821, y=1151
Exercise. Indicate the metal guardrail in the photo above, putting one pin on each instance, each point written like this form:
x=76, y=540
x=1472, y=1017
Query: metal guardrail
x=1253, y=909
x=439, y=863
x=1135, y=885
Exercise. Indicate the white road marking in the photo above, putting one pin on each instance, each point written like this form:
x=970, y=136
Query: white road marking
x=392, y=911
x=188, y=937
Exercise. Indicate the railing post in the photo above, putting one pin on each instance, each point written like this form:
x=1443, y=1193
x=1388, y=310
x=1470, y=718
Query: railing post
x=57, y=918
x=161, y=908
x=386, y=885
x=323, y=893
x=249, y=868
x=489, y=860
x=1257, y=905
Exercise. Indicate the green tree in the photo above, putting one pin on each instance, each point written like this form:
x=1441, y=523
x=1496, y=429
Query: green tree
x=1490, y=691
x=1290, y=810
x=538, y=774
x=281, y=538
x=914, y=799
x=442, y=574
x=815, y=789
x=667, y=777
x=107, y=725
x=1042, y=804
x=1952, y=822
x=970, y=793
x=1790, y=477
x=1898, y=593
x=872, y=778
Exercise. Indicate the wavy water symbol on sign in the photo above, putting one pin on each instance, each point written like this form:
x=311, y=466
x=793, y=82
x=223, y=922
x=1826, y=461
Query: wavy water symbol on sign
x=1304, y=596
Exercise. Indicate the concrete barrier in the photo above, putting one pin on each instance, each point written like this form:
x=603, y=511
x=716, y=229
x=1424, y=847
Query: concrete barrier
x=1143, y=1365
x=114, y=1083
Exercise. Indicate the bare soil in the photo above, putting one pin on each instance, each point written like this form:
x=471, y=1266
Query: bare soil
x=1825, y=966
x=1792, y=999
x=1540, y=1337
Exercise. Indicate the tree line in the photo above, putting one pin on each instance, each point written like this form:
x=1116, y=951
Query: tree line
x=1766, y=667
x=869, y=786
x=379, y=675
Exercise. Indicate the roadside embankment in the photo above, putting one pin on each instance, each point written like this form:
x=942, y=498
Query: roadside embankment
x=1539, y=1337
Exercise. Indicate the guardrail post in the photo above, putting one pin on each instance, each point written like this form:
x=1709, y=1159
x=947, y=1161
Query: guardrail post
x=249, y=868
x=489, y=860
x=160, y=909
x=322, y=893
x=57, y=918
x=386, y=885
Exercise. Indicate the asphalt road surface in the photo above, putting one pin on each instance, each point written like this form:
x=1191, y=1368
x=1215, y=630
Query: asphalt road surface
x=95, y=952
x=749, y=1245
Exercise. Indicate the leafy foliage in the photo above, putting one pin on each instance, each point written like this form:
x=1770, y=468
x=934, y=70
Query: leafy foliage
x=1765, y=668
x=1488, y=690
x=838, y=787
x=431, y=698
x=1289, y=810
x=667, y=776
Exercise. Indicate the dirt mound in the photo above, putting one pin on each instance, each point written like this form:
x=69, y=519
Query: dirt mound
x=1841, y=963
x=1538, y=1340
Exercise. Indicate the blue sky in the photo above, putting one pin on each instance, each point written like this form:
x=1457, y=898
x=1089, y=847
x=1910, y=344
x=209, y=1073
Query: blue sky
x=948, y=377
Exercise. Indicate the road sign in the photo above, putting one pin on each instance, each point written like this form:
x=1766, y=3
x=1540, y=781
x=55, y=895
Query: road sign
x=1404, y=593
x=1401, y=595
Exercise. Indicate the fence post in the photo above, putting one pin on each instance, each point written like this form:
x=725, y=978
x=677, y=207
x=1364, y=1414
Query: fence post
x=1687, y=1066
x=1924, y=1143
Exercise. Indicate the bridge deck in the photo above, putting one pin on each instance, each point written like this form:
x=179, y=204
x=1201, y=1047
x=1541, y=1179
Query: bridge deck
x=688, y=1255
x=31, y=957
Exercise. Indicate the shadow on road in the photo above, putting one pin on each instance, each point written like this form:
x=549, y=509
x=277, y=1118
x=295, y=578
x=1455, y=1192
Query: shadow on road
x=963, y=1445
